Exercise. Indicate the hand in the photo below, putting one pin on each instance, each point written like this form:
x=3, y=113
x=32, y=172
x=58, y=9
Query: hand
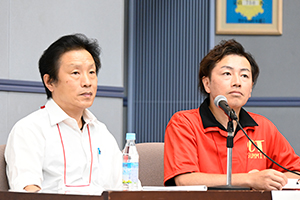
x=268, y=179
x=32, y=188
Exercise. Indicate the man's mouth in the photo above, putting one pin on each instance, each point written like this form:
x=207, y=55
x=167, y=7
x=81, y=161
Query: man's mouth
x=236, y=93
x=86, y=94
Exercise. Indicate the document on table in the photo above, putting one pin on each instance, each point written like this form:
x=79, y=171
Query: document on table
x=292, y=184
x=290, y=191
x=176, y=188
x=285, y=194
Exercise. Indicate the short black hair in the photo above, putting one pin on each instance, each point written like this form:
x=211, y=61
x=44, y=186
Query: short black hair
x=224, y=48
x=49, y=61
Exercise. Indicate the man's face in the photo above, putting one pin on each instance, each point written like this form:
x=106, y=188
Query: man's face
x=76, y=87
x=232, y=78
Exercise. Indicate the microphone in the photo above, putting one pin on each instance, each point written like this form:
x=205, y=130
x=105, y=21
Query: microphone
x=221, y=101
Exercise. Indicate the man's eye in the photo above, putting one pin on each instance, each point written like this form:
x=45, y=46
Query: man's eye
x=226, y=73
x=75, y=73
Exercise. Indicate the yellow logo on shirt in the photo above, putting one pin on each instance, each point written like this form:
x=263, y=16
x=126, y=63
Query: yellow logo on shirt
x=253, y=153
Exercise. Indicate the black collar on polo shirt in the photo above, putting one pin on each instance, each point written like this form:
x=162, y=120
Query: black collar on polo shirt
x=209, y=120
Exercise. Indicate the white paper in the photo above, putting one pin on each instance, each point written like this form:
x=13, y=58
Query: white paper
x=176, y=188
x=285, y=195
x=292, y=184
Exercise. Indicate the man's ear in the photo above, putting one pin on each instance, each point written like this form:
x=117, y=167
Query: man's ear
x=48, y=82
x=206, y=83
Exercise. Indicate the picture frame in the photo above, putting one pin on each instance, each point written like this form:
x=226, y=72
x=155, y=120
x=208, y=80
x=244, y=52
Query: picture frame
x=235, y=17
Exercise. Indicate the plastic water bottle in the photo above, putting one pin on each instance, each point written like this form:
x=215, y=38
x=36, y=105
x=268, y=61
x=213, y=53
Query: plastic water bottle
x=130, y=175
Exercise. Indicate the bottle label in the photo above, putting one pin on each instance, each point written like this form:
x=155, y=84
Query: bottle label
x=130, y=173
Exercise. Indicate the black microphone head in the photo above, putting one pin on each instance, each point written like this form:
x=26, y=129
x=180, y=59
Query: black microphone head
x=218, y=99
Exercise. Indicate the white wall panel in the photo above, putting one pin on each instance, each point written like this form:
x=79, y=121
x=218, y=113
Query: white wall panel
x=34, y=24
x=28, y=27
x=4, y=38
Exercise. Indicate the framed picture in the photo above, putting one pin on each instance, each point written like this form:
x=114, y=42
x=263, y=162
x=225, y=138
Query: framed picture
x=249, y=17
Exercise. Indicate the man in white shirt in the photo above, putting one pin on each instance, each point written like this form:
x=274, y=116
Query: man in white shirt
x=62, y=147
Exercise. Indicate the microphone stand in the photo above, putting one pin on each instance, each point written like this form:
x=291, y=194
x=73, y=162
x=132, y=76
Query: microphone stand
x=229, y=145
x=229, y=151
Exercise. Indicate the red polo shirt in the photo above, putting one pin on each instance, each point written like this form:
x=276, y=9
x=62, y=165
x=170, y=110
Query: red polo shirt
x=196, y=142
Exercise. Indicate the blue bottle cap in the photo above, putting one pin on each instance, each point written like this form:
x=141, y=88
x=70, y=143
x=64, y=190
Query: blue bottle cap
x=130, y=136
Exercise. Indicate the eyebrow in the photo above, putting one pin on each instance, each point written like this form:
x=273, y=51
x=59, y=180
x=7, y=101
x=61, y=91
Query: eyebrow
x=75, y=65
x=231, y=68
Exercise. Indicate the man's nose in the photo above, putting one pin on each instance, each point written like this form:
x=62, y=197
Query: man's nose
x=236, y=80
x=86, y=80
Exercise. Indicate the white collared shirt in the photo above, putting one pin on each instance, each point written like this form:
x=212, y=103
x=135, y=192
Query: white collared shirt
x=34, y=153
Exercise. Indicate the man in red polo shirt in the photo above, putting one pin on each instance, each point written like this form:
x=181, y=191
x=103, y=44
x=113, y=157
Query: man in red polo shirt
x=195, y=140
